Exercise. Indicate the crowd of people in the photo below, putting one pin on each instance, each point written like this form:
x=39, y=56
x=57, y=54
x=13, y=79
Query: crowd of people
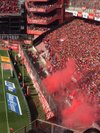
x=36, y=62
x=78, y=40
x=9, y=6
x=39, y=28
x=95, y=4
x=40, y=17
x=40, y=5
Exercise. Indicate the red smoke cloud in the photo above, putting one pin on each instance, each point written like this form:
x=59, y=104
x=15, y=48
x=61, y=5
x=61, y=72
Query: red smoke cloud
x=75, y=110
x=59, y=79
x=79, y=115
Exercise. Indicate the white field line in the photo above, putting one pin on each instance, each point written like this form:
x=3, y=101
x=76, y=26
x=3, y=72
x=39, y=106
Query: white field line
x=5, y=100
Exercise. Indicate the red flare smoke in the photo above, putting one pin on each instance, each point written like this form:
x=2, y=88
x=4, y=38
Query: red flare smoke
x=59, y=79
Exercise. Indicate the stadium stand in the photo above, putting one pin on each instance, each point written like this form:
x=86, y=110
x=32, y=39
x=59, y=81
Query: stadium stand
x=9, y=6
x=60, y=43
x=47, y=5
x=78, y=39
x=43, y=13
x=35, y=61
x=41, y=28
x=38, y=28
x=82, y=44
x=95, y=4
x=41, y=17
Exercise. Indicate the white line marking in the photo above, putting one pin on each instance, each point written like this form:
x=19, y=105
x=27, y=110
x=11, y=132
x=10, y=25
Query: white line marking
x=5, y=100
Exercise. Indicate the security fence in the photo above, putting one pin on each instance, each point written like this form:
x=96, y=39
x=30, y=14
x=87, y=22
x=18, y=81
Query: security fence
x=41, y=126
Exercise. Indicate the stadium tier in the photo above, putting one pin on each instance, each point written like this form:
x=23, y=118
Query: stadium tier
x=12, y=18
x=65, y=37
x=95, y=4
x=84, y=9
x=43, y=13
x=9, y=7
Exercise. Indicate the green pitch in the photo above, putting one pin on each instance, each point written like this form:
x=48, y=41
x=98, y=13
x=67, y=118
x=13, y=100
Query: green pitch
x=9, y=119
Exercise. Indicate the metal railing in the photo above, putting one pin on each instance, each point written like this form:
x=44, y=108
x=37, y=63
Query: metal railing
x=42, y=126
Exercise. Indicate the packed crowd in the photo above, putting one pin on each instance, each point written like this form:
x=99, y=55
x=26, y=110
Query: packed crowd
x=78, y=40
x=44, y=6
x=33, y=27
x=35, y=60
x=81, y=42
x=40, y=17
x=95, y=4
x=9, y=6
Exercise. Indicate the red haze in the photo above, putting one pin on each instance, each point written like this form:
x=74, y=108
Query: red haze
x=79, y=115
x=59, y=79
x=75, y=110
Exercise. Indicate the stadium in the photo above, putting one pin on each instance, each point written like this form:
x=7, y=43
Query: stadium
x=49, y=66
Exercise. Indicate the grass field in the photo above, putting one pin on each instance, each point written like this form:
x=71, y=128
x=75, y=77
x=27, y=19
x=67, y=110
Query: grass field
x=38, y=111
x=9, y=119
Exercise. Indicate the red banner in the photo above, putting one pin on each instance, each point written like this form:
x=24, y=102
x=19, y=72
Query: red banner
x=91, y=16
x=79, y=14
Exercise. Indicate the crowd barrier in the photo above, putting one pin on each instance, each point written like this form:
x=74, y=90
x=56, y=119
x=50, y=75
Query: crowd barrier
x=42, y=126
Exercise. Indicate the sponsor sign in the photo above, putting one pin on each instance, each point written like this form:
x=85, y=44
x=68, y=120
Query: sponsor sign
x=13, y=103
x=85, y=15
x=5, y=59
x=75, y=13
x=97, y=19
x=97, y=16
x=91, y=16
x=10, y=86
x=79, y=14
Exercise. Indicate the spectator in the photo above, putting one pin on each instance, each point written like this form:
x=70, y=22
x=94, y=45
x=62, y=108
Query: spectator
x=20, y=78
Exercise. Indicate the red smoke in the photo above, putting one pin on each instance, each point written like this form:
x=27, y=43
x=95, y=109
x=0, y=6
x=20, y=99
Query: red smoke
x=79, y=115
x=73, y=102
x=59, y=79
